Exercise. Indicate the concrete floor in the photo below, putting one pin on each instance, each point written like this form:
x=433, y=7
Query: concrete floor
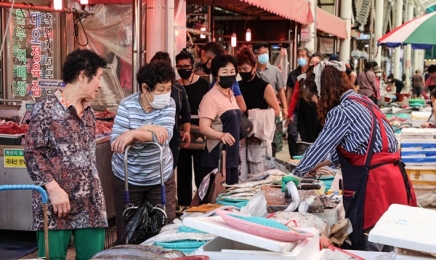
x=71, y=255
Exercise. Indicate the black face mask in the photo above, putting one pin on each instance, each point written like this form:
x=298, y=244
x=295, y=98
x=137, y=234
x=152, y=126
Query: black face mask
x=311, y=67
x=205, y=68
x=246, y=76
x=185, y=74
x=227, y=81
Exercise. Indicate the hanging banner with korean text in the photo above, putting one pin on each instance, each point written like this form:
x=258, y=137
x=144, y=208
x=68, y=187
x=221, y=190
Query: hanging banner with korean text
x=326, y=45
x=32, y=50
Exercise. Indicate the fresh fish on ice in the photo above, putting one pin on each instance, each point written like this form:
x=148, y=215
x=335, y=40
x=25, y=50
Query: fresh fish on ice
x=127, y=252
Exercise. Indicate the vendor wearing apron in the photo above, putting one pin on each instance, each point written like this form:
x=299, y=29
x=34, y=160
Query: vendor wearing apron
x=357, y=135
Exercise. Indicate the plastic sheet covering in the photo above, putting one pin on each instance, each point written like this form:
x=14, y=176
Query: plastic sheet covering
x=109, y=33
x=282, y=63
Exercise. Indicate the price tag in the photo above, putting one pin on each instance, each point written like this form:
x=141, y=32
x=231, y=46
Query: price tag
x=14, y=158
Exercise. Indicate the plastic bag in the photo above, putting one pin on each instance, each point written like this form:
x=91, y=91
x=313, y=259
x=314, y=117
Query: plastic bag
x=256, y=206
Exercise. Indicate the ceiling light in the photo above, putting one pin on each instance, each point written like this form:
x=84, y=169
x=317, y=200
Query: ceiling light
x=233, y=40
x=57, y=4
x=248, y=35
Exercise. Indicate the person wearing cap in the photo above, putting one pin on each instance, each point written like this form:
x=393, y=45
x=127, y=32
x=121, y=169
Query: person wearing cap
x=270, y=74
x=334, y=57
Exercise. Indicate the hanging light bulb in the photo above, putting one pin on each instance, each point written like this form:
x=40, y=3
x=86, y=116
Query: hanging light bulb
x=83, y=2
x=57, y=4
x=203, y=29
x=248, y=35
x=233, y=40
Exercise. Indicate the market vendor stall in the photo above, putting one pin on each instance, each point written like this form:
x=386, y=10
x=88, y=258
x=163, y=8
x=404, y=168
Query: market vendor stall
x=16, y=213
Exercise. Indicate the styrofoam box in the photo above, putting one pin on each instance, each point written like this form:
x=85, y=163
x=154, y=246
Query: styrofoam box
x=406, y=227
x=225, y=249
x=418, y=131
x=327, y=254
x=422, y=176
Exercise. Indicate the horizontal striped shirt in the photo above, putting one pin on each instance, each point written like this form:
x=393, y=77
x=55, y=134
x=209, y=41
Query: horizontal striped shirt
x=348, y=125
x=143, y=160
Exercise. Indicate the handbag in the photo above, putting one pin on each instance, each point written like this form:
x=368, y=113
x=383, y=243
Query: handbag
x=246, y=127
x=198, y=141
x=212, y=184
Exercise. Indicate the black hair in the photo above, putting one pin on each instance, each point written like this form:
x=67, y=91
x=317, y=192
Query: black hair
x=185, y=55
x=317, y=54
x=161, y=56
x=369, y=65
x=214, y=47
x=155, y=72
x=221, y=61
x=81, y=60
x=374, y=64
x=431, y=68
x=433, y=93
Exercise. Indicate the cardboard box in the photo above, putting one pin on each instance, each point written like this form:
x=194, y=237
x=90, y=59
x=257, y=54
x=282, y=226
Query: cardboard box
x=422, y=176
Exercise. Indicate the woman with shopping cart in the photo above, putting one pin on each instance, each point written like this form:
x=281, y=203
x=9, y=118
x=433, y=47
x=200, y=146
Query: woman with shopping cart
x=60, y=157
x=143, y=117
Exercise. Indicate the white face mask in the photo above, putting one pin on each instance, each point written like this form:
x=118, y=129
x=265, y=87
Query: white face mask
x=378, y=75
x=159, y=101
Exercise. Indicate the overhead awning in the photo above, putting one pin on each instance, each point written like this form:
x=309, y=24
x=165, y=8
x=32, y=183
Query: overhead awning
x=331, y=24
x=93, y=2
x=296, y=10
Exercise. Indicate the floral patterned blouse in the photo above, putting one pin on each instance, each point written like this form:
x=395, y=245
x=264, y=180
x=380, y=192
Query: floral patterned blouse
x=61, y=146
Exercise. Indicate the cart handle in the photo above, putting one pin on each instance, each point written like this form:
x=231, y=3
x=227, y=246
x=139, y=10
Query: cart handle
x=44, y=199
x=162, y=182
x=39, y=189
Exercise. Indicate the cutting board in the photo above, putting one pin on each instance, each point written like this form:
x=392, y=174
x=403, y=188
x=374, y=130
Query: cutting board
x=276, y=201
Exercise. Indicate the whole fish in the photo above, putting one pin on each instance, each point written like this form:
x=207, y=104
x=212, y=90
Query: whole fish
x=248, y=184
x=128, y=252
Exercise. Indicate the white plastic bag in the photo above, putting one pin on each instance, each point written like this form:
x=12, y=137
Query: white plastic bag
x=256, y=206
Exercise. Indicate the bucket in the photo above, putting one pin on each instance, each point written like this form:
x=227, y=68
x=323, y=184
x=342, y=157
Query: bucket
x=328, y=181
x=400, y=97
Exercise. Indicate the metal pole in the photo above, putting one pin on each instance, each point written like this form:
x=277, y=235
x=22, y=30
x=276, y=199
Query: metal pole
x=136, y=42
x=43, y=8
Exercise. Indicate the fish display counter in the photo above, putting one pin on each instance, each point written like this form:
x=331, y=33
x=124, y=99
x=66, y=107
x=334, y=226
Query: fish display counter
x=16, y=206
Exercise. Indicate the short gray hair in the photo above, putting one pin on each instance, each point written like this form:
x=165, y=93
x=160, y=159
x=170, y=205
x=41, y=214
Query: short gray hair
x=304, y=49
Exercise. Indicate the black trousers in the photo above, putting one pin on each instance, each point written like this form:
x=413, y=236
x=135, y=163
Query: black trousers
x=184, y=174
x=175, y=150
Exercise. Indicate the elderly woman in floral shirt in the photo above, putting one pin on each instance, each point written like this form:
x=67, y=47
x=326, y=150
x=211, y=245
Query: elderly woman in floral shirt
x=60, y=156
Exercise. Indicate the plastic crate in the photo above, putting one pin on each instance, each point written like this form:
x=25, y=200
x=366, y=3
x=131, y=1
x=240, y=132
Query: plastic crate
x=422, y=176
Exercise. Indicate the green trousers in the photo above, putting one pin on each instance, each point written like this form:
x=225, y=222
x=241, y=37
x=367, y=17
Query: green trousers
x=87, y=242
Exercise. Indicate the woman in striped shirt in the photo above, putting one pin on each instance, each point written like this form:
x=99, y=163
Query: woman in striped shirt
x=362, y=141
x=146, y=116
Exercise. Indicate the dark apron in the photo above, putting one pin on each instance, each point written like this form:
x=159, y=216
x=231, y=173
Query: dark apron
x=355, y=179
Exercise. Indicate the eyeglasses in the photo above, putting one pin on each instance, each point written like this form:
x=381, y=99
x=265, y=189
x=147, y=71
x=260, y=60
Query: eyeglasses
x=183, y=67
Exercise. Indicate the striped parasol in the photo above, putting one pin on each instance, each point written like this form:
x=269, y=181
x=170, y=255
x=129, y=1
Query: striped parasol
x=419, y=32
